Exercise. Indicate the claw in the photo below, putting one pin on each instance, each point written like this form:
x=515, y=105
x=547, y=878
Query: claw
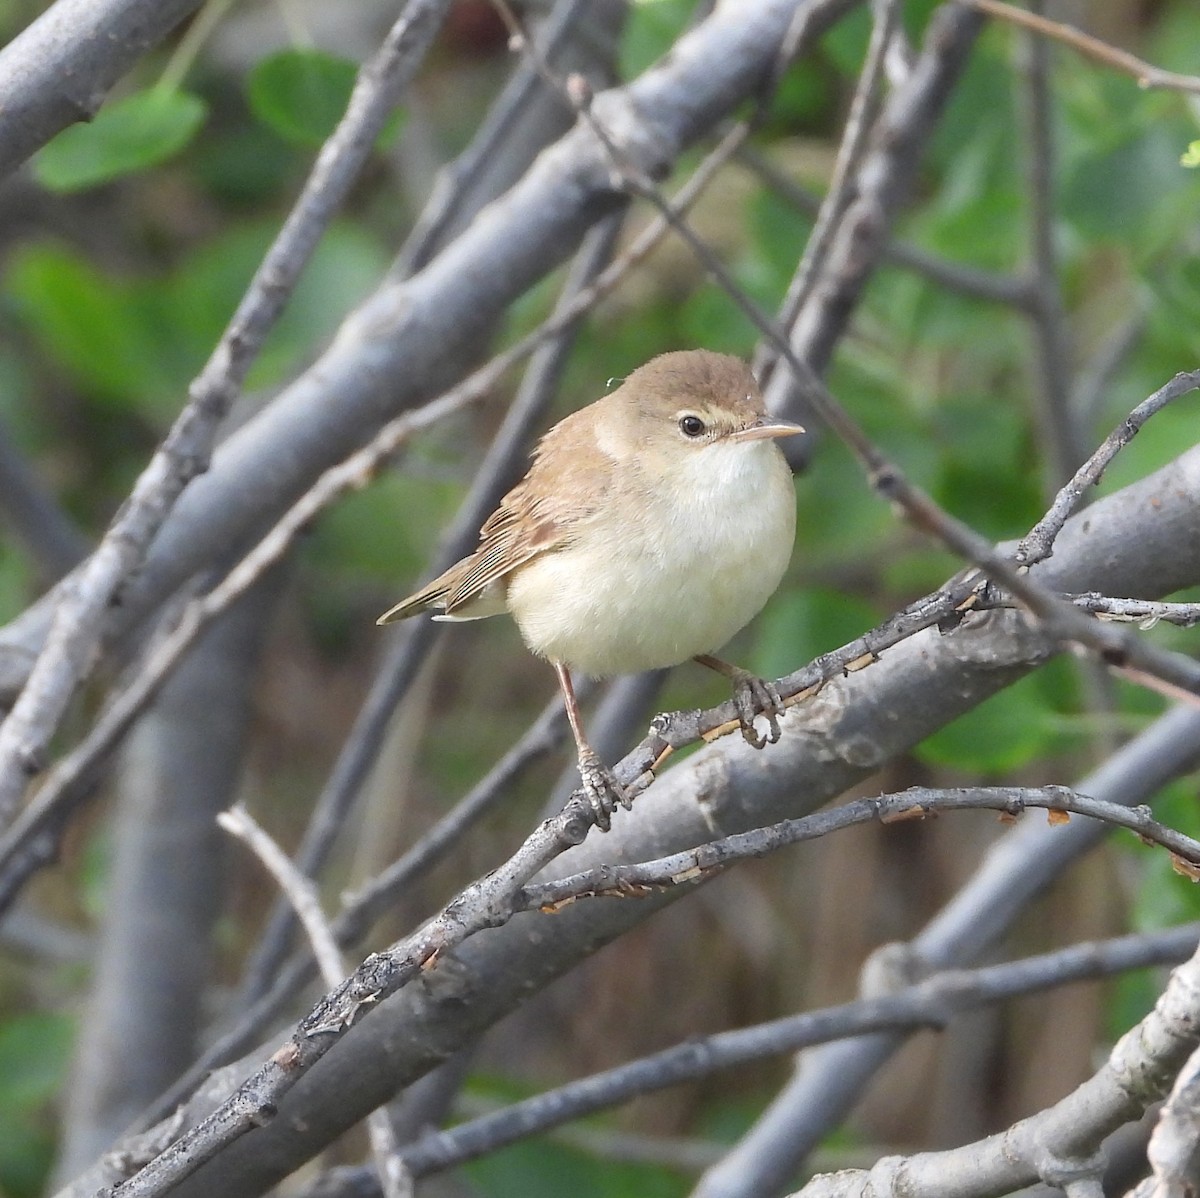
x=753, y=696
x=603, y=792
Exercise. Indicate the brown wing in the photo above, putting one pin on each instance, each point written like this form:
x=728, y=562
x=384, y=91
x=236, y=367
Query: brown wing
x=567, y=478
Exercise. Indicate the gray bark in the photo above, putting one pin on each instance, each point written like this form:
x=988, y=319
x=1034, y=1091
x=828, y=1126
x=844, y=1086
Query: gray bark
x=61, y=67
x=153, y=961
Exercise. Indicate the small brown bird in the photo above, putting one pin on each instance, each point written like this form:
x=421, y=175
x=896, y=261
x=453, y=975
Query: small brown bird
x=652, y=526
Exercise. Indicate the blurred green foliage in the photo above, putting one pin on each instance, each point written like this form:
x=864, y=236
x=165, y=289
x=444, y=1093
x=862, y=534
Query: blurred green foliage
x=130, y=134
x=113, y=296
x=34, y=1051
x=301, y=94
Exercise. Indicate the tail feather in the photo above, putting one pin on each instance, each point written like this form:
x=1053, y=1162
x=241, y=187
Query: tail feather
x=432, y=596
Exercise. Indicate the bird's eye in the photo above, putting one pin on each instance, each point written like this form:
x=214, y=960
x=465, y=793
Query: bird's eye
x=691, y=426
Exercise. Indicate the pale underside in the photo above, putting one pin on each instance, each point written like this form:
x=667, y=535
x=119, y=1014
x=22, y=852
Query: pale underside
x=624, y=594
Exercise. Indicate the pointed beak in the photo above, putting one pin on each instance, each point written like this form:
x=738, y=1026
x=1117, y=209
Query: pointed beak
x=767, y=427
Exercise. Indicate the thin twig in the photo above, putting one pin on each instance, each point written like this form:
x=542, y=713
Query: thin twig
x=1142, y=612
x=624, y=881
x=1039, y=543
x=1145, y=613
x=1148, y=77
x=394, y=1179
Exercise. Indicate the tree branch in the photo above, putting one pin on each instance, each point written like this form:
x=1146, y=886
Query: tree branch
x=1058, y=1145
x=59, y=70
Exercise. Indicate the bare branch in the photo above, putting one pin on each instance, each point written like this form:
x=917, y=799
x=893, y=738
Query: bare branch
x=1148, y=77
x=303, y=897
x=1039, y=542
x=691, y=865
x=1060, y=1144
x=1172, y=1151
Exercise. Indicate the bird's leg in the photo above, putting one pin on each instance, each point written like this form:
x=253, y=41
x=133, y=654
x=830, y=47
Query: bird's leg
x=751, y=696
x=603, y=791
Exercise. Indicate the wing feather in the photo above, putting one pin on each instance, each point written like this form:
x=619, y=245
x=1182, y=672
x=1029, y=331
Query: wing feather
x=535, y=517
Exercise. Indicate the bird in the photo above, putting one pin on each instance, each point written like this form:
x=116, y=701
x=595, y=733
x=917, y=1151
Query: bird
x=652, y=525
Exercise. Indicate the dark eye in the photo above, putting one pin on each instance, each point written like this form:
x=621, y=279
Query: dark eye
x=691, y=426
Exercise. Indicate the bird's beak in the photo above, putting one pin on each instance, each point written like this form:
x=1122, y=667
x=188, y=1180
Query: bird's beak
x=767, y=427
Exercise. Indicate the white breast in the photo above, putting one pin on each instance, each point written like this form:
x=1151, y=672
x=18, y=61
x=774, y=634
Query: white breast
x=662, y=585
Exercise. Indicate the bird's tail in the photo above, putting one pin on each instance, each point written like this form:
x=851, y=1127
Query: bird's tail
x=431, y=596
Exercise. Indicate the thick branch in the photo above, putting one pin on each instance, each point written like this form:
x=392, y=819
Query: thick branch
x=59, y=70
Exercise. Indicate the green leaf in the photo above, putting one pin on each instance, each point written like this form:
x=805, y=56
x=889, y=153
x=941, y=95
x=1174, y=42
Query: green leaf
x=1191, y=156
x=128, y=135
x=87, y=323
x=301, y=94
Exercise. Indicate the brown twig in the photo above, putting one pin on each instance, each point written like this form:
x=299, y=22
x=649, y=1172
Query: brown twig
x=1148, y=76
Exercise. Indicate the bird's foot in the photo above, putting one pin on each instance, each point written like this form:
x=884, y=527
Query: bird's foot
x=601, y=789
x=754, y=696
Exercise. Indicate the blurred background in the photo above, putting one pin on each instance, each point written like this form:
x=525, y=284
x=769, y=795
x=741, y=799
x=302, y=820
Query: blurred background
x=122, y=257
